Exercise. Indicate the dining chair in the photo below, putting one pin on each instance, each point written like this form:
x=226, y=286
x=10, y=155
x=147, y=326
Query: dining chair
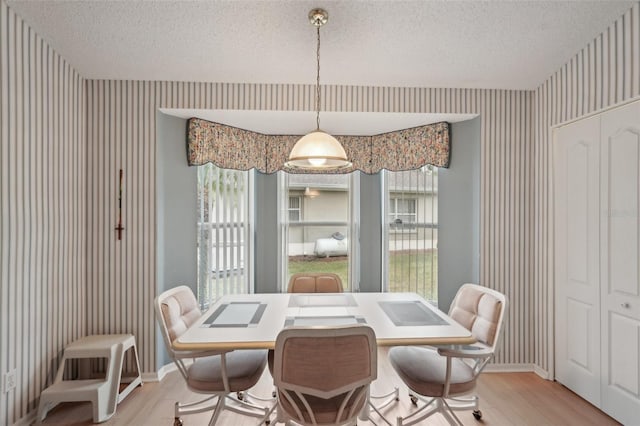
x=322, y=374
x=310, y=282
x=315, y=282
x=215, y=373
x=328, y=282
x=445, y=376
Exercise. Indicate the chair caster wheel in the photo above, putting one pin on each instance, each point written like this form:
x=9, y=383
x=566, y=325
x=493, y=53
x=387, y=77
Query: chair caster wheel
x=477, y=414
x=240, y=396
x=273, y=394
x=267, y=422
x=177, y=421
x=414, y=400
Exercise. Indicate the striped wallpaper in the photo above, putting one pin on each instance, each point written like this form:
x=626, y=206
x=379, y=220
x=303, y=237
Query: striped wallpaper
x=59, y=253
x=121, y=134
x=42, y=205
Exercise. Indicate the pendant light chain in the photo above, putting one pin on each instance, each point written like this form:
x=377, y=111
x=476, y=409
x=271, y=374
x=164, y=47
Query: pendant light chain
x=318, y=80
x=318, y=150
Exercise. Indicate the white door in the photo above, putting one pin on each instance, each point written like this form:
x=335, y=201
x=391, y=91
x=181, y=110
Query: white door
x=577, y=184
x=620, y=242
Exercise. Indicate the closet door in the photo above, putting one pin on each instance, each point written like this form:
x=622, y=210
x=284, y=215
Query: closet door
x=620, y=242
x=577, y=184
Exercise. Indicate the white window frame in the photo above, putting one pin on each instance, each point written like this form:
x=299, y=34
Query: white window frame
x=352, y=225
x=393, y=215
x=293, y=209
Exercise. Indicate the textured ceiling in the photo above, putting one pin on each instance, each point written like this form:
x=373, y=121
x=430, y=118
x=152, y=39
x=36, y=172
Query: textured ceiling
x=474, y=44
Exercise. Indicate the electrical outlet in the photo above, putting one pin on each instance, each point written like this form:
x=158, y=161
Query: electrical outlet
x=9, y=381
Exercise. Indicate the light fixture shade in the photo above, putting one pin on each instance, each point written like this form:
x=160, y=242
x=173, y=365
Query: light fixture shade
x=318, y=151
x=311, y=193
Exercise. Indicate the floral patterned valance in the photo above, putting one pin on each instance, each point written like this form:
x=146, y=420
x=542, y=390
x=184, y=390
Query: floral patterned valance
x=233, y=148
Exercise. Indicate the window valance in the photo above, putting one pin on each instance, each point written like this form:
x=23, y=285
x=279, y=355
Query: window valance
x=233, y=148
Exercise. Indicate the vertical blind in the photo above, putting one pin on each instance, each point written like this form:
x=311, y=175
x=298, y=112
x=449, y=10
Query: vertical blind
x=411, y=231
x=223, y=233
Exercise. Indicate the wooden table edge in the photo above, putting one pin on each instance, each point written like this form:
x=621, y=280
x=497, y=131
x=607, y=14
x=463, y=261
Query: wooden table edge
x=230, y=346
x=222, y=346
x=426, y=341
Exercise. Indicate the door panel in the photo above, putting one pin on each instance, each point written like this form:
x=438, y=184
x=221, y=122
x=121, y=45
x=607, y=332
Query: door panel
x=578, y=315
x=620, y=240
x=623, y=211
x=624, y=360
x=577, y=169
x=577, y=152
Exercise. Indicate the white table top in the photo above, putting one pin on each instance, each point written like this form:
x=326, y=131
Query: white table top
x=232, y=315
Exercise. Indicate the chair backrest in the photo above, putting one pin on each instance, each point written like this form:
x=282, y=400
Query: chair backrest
x=324, y=362
x=176, y=310
x=481, y=311
x=315, y=282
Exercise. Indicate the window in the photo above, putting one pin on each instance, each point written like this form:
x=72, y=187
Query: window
x=411, y=233
x=224, y=218
x=402, y=212
x=295, y=204
x=320, y=240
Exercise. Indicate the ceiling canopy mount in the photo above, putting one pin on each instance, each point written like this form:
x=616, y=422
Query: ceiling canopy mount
x=318, y=17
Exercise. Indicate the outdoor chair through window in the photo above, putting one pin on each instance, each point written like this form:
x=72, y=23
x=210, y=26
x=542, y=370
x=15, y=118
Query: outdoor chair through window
x=315, y=282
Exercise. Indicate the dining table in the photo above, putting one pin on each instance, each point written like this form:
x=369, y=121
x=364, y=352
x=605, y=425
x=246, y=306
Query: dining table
x=253, y=321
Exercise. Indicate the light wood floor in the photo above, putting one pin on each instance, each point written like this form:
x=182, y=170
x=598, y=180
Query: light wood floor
x=506, y=399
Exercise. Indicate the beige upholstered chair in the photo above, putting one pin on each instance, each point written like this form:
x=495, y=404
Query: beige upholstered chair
x=311, y=282
x=445, y=374
x=315, y=282
x=322, y=374
x=211, y=372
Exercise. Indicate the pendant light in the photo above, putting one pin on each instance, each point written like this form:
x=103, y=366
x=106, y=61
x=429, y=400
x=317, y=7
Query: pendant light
x=318, y=150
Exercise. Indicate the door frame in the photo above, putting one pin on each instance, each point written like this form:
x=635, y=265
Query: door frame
x=551, y=255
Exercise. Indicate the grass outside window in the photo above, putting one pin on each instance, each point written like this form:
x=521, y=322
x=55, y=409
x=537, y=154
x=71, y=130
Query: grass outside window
x=409, y=272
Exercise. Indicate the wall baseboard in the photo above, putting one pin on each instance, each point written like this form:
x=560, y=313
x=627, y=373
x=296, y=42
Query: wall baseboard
x=153, y=376
x=27, y=420
x=157, y=376
x=542, y=372
x=517, y=368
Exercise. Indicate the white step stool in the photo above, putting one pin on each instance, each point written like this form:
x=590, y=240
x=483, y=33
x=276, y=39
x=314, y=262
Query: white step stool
x=102, y=393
